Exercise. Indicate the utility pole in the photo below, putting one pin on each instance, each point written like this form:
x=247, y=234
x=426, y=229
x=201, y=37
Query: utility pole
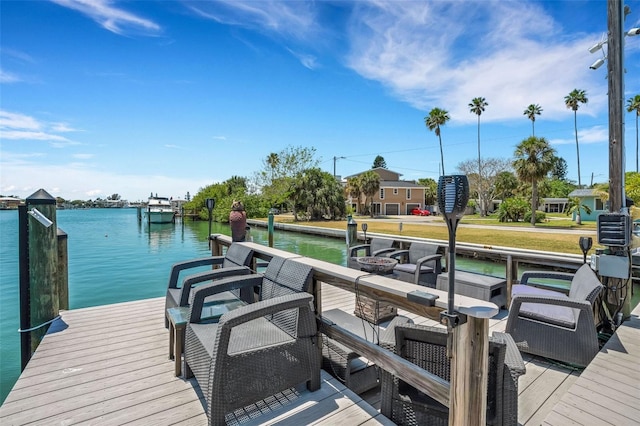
x=615, y=69
x=334, y=164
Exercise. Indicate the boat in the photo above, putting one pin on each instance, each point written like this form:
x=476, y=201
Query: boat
x=159, y=210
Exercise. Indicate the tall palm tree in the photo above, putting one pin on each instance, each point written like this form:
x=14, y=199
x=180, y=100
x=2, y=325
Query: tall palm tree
x=633, y=104
x=354, y=189
x=531, y=112
x=437, y=117
x=573, y=101
x=477, y=106
x=369, y=185
x=534, y=158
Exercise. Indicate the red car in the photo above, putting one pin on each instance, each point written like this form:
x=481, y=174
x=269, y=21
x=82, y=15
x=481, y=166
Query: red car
x=420, y=212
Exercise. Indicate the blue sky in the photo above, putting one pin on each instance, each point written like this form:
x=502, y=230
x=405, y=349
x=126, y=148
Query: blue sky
x=132, y=97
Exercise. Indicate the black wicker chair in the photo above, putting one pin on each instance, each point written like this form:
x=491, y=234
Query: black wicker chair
x=257, y=350
x=236, y=261
x=377, y=247
x=420, y=264
x=427, y=348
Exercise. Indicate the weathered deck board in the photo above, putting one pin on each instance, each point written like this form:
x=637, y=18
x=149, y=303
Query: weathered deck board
x=608, y=390
x=109, y=365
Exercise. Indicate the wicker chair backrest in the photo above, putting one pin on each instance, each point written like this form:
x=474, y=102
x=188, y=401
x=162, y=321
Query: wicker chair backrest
x=237, y=255
x=420, y=250
x=283, y=277
x=585, y=285
x=380, y=244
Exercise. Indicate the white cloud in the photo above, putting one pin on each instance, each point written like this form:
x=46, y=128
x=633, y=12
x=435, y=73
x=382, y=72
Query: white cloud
x=18, y=121
x=288, y=18
x=414, y=50
x=83, y=156
x=7, y=77
x=592, y=135
x=307, y=60
x=16, y=126
x=62, y=128
x=111, y=18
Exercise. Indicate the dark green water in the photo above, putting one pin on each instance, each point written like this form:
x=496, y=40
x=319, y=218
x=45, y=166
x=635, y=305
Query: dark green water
x=113, y=258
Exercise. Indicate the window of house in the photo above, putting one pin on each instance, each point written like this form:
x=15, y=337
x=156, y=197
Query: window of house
x=599, y=204
x=408, y=193
x=382, y=193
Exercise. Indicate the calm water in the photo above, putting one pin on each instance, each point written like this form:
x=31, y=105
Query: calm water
x=114, y=259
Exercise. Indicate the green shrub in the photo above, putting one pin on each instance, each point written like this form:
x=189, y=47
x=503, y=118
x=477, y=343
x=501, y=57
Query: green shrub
x=512, y=209
x=540, y=216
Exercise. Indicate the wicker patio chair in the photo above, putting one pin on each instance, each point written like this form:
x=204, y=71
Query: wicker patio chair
x=420, y=264
x=551, y=324
x=257, y=350
x=377, y=247
x=427, y=348
x=236, y=261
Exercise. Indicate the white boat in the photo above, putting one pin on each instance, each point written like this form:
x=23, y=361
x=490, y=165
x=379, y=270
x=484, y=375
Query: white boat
x=159, y=210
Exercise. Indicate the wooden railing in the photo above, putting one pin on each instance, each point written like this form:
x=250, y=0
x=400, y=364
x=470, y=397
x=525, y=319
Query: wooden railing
x=466, y=393
x=511, y=257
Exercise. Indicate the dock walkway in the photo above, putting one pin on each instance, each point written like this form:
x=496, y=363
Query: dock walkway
x=109, y=365
x=608, y=390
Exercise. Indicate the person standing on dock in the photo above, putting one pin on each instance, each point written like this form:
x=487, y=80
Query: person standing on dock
x=238, y=221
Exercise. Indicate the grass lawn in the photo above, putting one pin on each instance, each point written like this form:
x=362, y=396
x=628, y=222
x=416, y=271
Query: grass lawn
x=507, y=237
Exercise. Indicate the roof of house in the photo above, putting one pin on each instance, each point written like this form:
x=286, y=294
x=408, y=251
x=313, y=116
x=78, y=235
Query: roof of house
x=375, y=169
x=399, y=184
x=584, y=193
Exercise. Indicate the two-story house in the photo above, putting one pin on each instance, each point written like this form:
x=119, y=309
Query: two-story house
x=395, y=196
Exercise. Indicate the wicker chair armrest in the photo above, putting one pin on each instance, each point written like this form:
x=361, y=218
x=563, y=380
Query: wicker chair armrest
x=219, y=286
x=193, y=263
x=542, y=274
x=429, y=258
x=353, y=251
x=397, y=254
x=256, y=310
x=214, y=274
x=383, y=252
x=512, y=357
x=519, y=299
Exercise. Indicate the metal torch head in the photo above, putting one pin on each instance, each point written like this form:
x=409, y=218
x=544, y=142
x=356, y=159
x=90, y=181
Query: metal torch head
x=453, y=195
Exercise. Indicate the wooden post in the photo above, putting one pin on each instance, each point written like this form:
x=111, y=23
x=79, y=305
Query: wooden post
x=469, y=366
x=40, y=265
x=63, y=271
x=270, y=229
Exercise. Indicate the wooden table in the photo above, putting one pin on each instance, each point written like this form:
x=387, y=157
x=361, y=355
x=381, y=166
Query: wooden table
x=178, y=318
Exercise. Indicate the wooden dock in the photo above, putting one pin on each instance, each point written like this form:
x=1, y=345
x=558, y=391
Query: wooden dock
x=109, y=365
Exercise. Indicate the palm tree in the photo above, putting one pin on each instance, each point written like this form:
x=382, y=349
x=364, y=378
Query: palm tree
x=369, y=185
x=573, y=101
x=575, y=206
x=437, y=117
x=531, y=112
x=354, y=189
x=534, y=158
x=633, y=104
x=477, y=107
